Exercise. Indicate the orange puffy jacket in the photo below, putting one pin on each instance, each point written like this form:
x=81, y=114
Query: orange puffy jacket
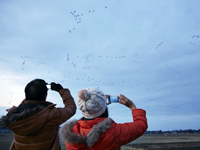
x=103, y=133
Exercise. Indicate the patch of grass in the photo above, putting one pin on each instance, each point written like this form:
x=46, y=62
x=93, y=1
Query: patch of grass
x=189, y=141
x=130, y=148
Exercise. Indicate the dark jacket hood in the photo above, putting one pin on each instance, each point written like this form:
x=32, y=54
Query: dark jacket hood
x=11, y=118
x=27, y=122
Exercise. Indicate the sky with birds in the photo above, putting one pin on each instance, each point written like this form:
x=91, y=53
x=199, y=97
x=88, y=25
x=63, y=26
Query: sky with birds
x=148, y=50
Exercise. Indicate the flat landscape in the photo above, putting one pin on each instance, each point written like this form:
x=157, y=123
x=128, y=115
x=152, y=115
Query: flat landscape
x=146, y=142
x=166, y=142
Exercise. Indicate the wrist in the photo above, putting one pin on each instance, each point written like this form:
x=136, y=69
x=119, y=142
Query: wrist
x=133, y=107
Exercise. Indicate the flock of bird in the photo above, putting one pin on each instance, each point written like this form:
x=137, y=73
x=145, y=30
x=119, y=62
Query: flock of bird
x=158, y=45
x=78, y=17
x=88, y=66
x=76, y=63
x=194, y=37
x=85, y=64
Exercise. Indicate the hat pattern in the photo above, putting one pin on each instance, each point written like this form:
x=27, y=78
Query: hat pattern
x=92, y=102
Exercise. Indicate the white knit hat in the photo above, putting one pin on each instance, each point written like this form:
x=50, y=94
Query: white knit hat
x=92, y=102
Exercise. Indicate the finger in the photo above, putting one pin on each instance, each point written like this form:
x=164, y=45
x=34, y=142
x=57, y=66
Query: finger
x=124, y=97
x=121, y=101
x=107, y=96
x=108, y=103
x=120, y=96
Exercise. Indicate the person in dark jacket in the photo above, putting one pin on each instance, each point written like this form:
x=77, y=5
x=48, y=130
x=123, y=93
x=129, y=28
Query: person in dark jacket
x=95, y=131
x=35, y=121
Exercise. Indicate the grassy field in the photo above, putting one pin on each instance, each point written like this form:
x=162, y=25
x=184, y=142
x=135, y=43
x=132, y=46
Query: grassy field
x=166, y=142
x=146, y=142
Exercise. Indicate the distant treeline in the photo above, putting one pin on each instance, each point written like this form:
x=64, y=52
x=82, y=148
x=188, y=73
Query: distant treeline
x=188, y=131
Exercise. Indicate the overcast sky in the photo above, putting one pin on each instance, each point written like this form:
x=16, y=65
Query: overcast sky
x=148, y=50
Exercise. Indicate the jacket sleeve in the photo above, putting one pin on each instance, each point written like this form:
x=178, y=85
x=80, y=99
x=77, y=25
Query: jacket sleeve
x=128, y=132
x=69, y=109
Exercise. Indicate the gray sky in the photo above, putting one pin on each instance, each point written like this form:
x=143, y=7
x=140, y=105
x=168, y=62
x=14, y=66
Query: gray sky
x=146, y=50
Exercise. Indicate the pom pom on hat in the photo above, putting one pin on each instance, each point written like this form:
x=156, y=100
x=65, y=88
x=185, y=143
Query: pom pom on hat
x=83, y=94
x=92, y=102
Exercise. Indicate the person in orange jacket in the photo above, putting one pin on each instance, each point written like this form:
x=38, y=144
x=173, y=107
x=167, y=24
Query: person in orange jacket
x=95, y=131
x=35, y=121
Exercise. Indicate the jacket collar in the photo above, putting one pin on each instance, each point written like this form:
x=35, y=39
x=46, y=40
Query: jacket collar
x=36, y=102
x=96, y=129
x=8, y=119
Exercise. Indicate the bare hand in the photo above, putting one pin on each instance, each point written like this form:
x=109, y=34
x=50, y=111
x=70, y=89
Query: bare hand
x=127, y=102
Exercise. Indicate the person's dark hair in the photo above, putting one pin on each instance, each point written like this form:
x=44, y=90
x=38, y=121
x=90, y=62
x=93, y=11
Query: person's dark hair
x=105, y=114
x=36, y=90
